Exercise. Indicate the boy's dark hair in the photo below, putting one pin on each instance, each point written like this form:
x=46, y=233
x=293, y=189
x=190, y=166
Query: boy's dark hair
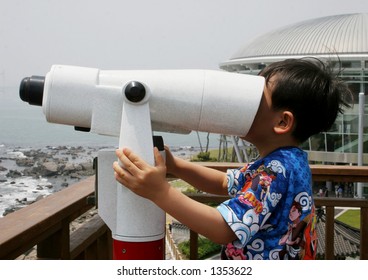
x=308, y=88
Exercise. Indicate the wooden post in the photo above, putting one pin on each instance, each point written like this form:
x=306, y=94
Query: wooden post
x=56, y=246
x=329, y=233
x=364, y=233
x=193, y=245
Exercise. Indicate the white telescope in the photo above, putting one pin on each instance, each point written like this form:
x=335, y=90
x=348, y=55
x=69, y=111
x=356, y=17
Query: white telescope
x=179, y=100
x=132, y=104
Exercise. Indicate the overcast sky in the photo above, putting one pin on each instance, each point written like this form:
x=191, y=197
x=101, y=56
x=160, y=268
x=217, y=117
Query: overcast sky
x=141, y=34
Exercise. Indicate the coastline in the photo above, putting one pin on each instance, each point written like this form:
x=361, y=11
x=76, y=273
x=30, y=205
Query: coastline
x=29, y=174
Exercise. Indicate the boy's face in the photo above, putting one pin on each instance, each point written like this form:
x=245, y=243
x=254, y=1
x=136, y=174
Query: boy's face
x=265, y=118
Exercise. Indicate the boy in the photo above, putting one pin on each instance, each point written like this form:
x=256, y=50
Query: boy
x=271, y=212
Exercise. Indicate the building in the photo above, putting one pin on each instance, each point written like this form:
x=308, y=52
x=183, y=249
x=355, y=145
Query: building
x=341, y=39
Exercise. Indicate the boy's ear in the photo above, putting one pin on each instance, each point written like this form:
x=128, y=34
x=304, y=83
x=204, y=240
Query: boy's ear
x=285, y=123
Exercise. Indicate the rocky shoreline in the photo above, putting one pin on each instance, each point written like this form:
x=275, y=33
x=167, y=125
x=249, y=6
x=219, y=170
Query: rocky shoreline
x=29, y=174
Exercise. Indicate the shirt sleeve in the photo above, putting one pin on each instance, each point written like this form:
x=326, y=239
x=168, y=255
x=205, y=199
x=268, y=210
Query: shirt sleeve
x=235, y=181
x=253, y=200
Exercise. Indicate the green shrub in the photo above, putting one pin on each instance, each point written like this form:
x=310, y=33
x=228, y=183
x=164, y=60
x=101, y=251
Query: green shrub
x=206, y=248
x=204, y=157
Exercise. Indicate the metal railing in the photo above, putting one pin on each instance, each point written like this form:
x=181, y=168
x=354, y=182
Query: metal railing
x=46, y=223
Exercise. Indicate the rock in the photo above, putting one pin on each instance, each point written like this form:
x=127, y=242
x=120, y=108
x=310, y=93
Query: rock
x=13, y=174
x=87, y=165
x=22, y=201
x=2, y=168
x=48, y=169
x=75, y=176
x=10, y=209
x=3, y=179
x=88, y=173
x=33, y=172
x=69, y=167
x=25, y=161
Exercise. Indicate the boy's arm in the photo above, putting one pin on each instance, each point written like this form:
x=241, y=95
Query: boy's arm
x=199, y=217
x=150, y=182
x=203, y=178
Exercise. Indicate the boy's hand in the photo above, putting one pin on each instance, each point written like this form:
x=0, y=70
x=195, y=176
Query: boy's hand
x=140, y=177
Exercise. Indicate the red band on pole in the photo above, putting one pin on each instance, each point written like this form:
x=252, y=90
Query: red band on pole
x=152, y=250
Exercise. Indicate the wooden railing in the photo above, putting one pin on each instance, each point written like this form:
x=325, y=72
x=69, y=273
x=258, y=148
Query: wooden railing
x=46, y=223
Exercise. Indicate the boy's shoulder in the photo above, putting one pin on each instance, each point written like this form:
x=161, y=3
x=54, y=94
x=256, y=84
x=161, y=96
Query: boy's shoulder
x=287, y=155
x=284, y=160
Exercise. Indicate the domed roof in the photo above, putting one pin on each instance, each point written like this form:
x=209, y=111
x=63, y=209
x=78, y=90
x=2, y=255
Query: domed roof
x=339, y=34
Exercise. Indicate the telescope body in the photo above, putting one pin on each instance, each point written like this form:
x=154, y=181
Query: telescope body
x=180, y=101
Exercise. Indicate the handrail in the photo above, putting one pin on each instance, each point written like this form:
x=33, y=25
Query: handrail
x=45, y=223
x=333, y=173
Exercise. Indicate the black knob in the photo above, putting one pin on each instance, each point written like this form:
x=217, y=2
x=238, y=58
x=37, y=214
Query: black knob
x=31, y=90
x=135, y=91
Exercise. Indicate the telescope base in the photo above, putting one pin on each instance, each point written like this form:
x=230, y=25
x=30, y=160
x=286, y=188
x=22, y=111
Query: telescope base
x=152, y=250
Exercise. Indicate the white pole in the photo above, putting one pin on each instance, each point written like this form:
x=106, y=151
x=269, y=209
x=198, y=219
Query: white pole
x=360, y=139
x=236, y=148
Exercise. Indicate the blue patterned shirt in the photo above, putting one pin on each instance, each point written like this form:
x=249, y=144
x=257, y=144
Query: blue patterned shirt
x=271, y=210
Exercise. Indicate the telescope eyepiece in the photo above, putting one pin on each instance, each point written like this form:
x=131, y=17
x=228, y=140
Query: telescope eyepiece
x=31, y=90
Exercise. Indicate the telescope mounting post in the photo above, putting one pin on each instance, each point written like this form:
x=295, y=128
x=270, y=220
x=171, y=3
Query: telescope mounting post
x=139, y=226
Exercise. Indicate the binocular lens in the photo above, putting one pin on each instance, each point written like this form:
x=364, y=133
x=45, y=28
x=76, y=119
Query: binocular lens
x=31, y=90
